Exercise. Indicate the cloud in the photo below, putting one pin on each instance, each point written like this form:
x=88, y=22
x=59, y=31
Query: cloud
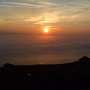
x=44, y=11
x=27, y=4
x=45, y=18
x=17, y=4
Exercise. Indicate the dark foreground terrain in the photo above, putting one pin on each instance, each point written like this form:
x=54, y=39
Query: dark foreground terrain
x=71, y=76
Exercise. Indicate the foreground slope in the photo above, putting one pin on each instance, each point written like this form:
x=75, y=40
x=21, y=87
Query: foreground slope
x=70, y=76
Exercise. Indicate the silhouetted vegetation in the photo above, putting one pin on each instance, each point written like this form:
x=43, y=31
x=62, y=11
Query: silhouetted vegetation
x=70, y=76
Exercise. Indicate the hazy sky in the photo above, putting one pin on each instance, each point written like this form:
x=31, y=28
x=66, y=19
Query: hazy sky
x=37, y=13
x=22, y=40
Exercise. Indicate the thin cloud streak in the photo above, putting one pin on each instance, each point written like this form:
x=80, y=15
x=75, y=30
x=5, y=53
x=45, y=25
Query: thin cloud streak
x=44, y=11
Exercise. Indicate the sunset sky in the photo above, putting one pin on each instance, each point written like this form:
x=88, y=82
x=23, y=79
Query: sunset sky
x=68, y=36
x=36, y=13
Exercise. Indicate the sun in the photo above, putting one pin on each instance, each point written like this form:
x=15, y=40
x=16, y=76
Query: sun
x=46, y=29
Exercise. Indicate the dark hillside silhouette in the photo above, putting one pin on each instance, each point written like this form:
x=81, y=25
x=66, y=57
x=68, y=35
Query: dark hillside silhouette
x=70, y=76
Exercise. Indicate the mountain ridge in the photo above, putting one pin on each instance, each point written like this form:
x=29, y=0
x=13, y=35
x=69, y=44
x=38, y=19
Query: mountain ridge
x=70, y=76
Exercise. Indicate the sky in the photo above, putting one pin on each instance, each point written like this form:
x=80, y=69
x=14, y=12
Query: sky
x=22, y=40
x=36, y=13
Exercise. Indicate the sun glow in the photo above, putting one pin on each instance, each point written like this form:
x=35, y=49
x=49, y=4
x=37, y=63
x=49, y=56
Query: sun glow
x=46, y=29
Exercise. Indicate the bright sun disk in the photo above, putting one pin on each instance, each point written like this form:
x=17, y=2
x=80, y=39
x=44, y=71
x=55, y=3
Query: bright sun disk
x=46, y=30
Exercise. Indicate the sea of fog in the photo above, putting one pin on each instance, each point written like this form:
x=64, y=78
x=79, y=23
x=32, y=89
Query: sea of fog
x=42, y=49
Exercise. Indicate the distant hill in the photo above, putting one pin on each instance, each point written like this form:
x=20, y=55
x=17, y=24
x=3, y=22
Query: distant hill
x=74, y=76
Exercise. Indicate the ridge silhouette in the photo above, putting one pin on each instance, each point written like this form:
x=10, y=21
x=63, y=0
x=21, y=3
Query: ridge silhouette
x=69, y=76
x=85, y=59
